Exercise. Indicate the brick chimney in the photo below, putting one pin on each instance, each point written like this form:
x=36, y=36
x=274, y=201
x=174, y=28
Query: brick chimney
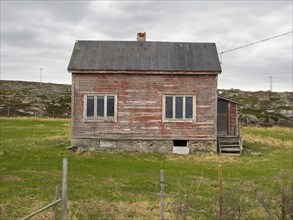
x=141, y=36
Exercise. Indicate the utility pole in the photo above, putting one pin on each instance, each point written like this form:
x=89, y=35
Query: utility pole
x=41, y=72
x=271, y=83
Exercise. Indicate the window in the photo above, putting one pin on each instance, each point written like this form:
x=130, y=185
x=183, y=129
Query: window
x=100, y=106
x=222, y=106
x=179, y=108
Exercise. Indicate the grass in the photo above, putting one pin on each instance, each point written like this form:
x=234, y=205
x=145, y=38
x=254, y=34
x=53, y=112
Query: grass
x=115, y=185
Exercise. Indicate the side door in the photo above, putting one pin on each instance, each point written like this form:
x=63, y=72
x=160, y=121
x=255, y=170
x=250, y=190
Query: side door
x=222, y=117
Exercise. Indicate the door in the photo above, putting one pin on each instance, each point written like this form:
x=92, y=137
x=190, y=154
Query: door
x=222, y=117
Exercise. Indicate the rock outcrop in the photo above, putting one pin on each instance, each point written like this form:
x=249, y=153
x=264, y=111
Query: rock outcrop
x=262, y=107
x=19, y=98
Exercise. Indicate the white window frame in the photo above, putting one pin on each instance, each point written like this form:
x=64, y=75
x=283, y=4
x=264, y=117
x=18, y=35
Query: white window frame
x=183, y=119
x=95, y=117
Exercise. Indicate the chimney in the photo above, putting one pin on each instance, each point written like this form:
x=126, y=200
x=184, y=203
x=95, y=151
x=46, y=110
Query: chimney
x=141, y=36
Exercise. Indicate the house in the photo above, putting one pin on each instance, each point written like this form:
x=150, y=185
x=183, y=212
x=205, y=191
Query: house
x=144, y=96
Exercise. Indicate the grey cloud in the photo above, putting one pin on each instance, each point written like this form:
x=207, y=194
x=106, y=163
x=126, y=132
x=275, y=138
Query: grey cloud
x=45, y=32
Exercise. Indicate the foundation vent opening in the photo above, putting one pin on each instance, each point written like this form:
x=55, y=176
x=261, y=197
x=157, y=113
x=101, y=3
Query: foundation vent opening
x=180, y=143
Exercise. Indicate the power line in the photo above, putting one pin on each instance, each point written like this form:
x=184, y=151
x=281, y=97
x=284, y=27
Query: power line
x=237, y=48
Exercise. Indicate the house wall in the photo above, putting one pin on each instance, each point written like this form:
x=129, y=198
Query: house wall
x=139, y=107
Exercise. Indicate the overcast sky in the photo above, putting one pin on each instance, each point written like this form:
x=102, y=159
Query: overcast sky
x=41, y=34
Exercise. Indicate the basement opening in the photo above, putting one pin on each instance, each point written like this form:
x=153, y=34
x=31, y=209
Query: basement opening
x=180, y=143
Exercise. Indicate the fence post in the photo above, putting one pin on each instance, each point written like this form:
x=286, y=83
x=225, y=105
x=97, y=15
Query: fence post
x=220, y=192
x=64, y=191
x=282, y=183
x=260, y=200
x=162, y=195
x=55, y=206
x=41, y=210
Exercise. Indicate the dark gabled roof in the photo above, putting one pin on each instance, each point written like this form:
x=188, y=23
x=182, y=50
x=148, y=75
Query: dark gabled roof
x=144, y=56
x=228, y=100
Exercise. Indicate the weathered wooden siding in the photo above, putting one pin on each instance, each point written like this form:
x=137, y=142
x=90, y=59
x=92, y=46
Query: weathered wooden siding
x=232, y=115
x=139, y=106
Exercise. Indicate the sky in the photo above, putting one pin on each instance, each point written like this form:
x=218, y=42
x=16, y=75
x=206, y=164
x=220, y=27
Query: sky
x=41, y=34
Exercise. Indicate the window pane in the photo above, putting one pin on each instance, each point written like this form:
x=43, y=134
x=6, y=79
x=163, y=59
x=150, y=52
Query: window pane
x=90, y=106
x=179, y=107
x=169, y=107
x=100, y=106
x=110, y=106
x=222, y=106
x=189, y=107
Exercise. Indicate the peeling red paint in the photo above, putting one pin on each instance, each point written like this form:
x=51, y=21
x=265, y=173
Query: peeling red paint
x=139, y=105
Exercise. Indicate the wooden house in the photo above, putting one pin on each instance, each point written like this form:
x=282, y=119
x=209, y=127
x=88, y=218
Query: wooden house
x=144, y=96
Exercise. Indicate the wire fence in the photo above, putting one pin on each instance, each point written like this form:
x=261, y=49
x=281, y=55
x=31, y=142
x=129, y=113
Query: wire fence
x=165, y=196
x=62, y=200
x=120, y=185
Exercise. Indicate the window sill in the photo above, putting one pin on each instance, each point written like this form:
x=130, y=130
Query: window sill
x=99, y=120
x=179, y=121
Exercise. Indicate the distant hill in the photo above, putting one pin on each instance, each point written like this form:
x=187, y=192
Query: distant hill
x=262, y=107
x=33, y=99
x=20, y=98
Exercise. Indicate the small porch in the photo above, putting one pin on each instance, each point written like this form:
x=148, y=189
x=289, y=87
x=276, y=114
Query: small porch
x=228, y=131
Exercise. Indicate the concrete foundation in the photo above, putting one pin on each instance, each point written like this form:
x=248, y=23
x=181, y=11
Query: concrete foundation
x=161, y=146
x=210, y=146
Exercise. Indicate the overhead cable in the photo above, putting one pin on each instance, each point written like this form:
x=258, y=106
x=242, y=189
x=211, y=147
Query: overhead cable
x=236, y=48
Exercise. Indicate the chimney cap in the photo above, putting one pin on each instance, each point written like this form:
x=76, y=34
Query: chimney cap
x=141, y=36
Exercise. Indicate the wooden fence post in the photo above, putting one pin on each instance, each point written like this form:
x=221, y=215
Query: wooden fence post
x=282, y=183
x=220, y=192
x=260, y=200
x=162, y=195
x=55, y=206
x=64, y=191
x=41, y=210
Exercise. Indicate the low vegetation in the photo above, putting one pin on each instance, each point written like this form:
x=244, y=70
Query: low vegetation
x=117, y=185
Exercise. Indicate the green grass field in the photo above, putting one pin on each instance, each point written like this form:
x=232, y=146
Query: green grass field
x=116, y=185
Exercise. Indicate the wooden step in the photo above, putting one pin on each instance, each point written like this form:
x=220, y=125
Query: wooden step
x=229, y=141
x=229, y=145
x=232, y=154
x=236, y=149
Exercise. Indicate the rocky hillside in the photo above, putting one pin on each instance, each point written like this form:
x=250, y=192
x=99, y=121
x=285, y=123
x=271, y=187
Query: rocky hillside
x=262, y=107
x=19, y=98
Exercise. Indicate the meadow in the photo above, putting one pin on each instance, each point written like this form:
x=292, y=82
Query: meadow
x=120, y=185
